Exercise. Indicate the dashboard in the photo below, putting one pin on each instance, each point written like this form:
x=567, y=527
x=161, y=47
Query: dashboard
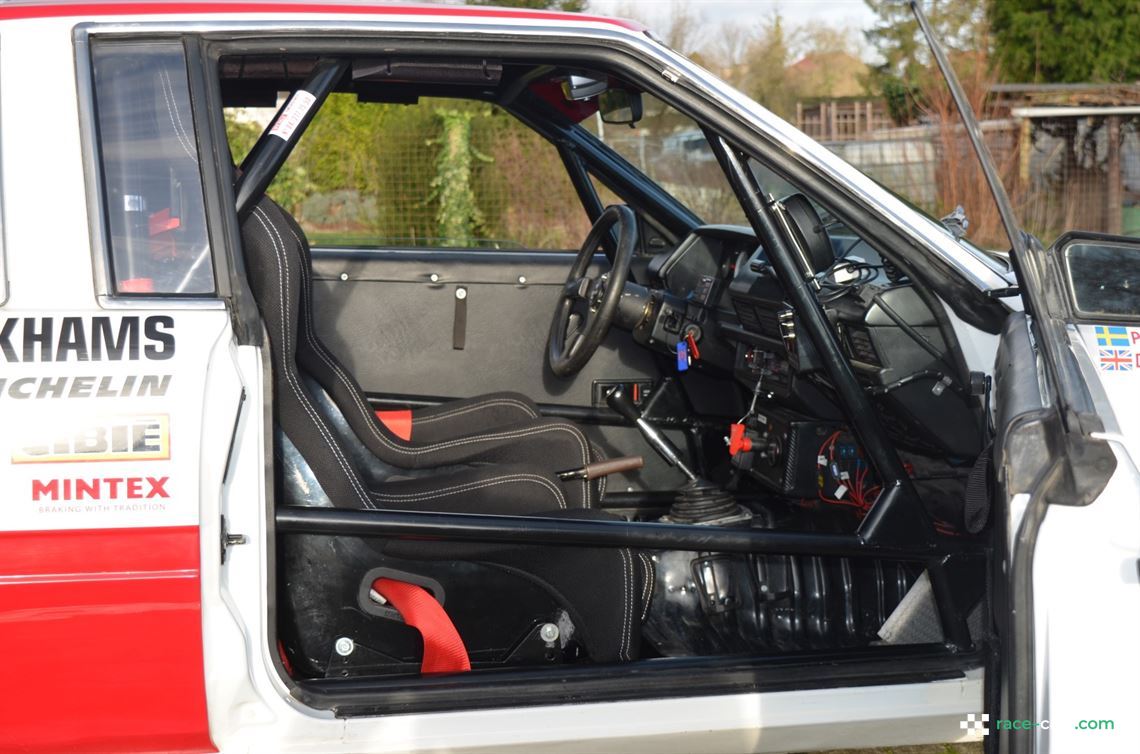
x=718, y=292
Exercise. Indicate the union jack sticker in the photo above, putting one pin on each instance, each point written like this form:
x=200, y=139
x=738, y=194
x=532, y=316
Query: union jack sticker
x=1115, y=359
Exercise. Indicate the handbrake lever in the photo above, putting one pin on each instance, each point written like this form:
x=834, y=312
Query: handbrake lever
x=618, y=399
x=603, y=468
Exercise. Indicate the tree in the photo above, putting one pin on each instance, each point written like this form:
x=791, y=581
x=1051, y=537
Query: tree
x=1047, y=41
x=960, y=25
x=675, y=23
x=769, y=56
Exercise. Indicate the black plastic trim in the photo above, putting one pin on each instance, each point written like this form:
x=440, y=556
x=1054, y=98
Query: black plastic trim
x=653, y=679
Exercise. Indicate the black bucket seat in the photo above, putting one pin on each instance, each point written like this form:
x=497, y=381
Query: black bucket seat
x=504, y=471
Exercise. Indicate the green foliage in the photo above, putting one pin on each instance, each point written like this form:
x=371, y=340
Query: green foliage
x=1074, y=41
x=767, y=81
x=458, y=217
x=903, y=100
x=292, y=183
x=960, y=25
x=439, y=172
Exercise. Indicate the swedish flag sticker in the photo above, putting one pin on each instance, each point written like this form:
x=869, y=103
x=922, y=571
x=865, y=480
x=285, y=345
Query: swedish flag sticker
x=1112, y=336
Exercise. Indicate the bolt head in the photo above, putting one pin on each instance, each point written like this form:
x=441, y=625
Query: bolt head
x=434, y=278
x=344, y=276
x=345, y=646
x=522, y=279
x=548, y=633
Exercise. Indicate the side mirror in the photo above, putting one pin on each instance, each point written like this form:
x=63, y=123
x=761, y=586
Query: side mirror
x=620, y=106
x=1102, y=274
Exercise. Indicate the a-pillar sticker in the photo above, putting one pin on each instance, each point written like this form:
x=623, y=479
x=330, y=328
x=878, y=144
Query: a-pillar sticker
x=1117, y=348
x=291, y=116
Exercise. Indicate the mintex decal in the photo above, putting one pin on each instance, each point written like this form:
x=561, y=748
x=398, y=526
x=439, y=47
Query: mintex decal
x=1118, y=348
x=116, y=438
x=100, y=488
x=102, y=416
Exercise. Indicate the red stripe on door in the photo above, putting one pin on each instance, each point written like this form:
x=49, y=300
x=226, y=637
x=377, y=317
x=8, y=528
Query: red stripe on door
x=102, y=637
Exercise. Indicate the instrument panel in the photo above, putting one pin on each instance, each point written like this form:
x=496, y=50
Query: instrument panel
x=719, y=286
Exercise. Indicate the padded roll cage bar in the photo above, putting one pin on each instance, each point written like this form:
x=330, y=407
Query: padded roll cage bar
x=896, y=527
x=275, y=144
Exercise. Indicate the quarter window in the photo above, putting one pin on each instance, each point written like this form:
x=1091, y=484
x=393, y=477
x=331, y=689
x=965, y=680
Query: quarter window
x=152, y=189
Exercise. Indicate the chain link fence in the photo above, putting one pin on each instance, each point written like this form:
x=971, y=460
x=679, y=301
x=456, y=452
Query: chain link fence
x=385, y=175
x=1062, y=173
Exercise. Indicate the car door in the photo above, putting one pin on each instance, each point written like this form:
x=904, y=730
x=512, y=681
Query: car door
x=1066, y=520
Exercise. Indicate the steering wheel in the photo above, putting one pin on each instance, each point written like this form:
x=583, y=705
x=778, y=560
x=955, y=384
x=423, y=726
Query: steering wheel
x=574, y=335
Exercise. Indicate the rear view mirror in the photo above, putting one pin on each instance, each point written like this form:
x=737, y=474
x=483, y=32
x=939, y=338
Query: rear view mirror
x=576, y=87
x=620, y=106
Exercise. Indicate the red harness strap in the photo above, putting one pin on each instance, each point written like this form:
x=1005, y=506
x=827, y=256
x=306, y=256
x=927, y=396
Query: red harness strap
x=443, y=648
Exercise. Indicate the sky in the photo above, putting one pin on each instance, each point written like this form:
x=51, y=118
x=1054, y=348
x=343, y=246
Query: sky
x=835, y=12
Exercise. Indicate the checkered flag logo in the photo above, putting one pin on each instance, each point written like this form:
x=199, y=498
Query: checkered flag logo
x=976, y=724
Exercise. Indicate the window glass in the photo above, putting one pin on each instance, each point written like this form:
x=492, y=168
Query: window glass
x=671, y=149
x=1105, y=282
x=151, y=184
x=437, y=173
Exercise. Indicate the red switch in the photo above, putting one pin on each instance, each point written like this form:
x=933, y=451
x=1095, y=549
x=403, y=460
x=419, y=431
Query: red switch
x=737, y=442
x=692, y=343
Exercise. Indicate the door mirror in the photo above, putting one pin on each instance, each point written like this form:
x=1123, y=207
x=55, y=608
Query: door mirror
x=1102, y=274
x=620, y=106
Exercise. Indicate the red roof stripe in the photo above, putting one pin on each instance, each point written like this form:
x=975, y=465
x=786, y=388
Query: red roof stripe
x=13, y=12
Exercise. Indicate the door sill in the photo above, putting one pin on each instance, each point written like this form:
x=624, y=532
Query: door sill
x=645, y=679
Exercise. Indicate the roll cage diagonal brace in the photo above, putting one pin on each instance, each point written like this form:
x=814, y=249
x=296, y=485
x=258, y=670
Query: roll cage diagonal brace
x=897, y=516
x=274, y=145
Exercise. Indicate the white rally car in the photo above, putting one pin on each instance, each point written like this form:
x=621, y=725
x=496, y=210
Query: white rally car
x=794, y=467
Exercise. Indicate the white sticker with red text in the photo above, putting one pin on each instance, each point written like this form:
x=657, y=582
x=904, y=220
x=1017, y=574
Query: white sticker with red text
x=290, y=118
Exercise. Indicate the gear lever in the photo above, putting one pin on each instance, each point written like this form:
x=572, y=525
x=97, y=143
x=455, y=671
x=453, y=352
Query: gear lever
x=619, y=400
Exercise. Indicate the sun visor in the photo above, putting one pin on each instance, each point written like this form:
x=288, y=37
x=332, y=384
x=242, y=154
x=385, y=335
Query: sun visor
x=428, y=71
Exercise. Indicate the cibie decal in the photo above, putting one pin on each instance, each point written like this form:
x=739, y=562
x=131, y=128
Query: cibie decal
x=1117, y=348
x=115, y=438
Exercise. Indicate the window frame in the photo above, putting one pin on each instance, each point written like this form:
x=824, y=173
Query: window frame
x=716, y=675
x=106, y=294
